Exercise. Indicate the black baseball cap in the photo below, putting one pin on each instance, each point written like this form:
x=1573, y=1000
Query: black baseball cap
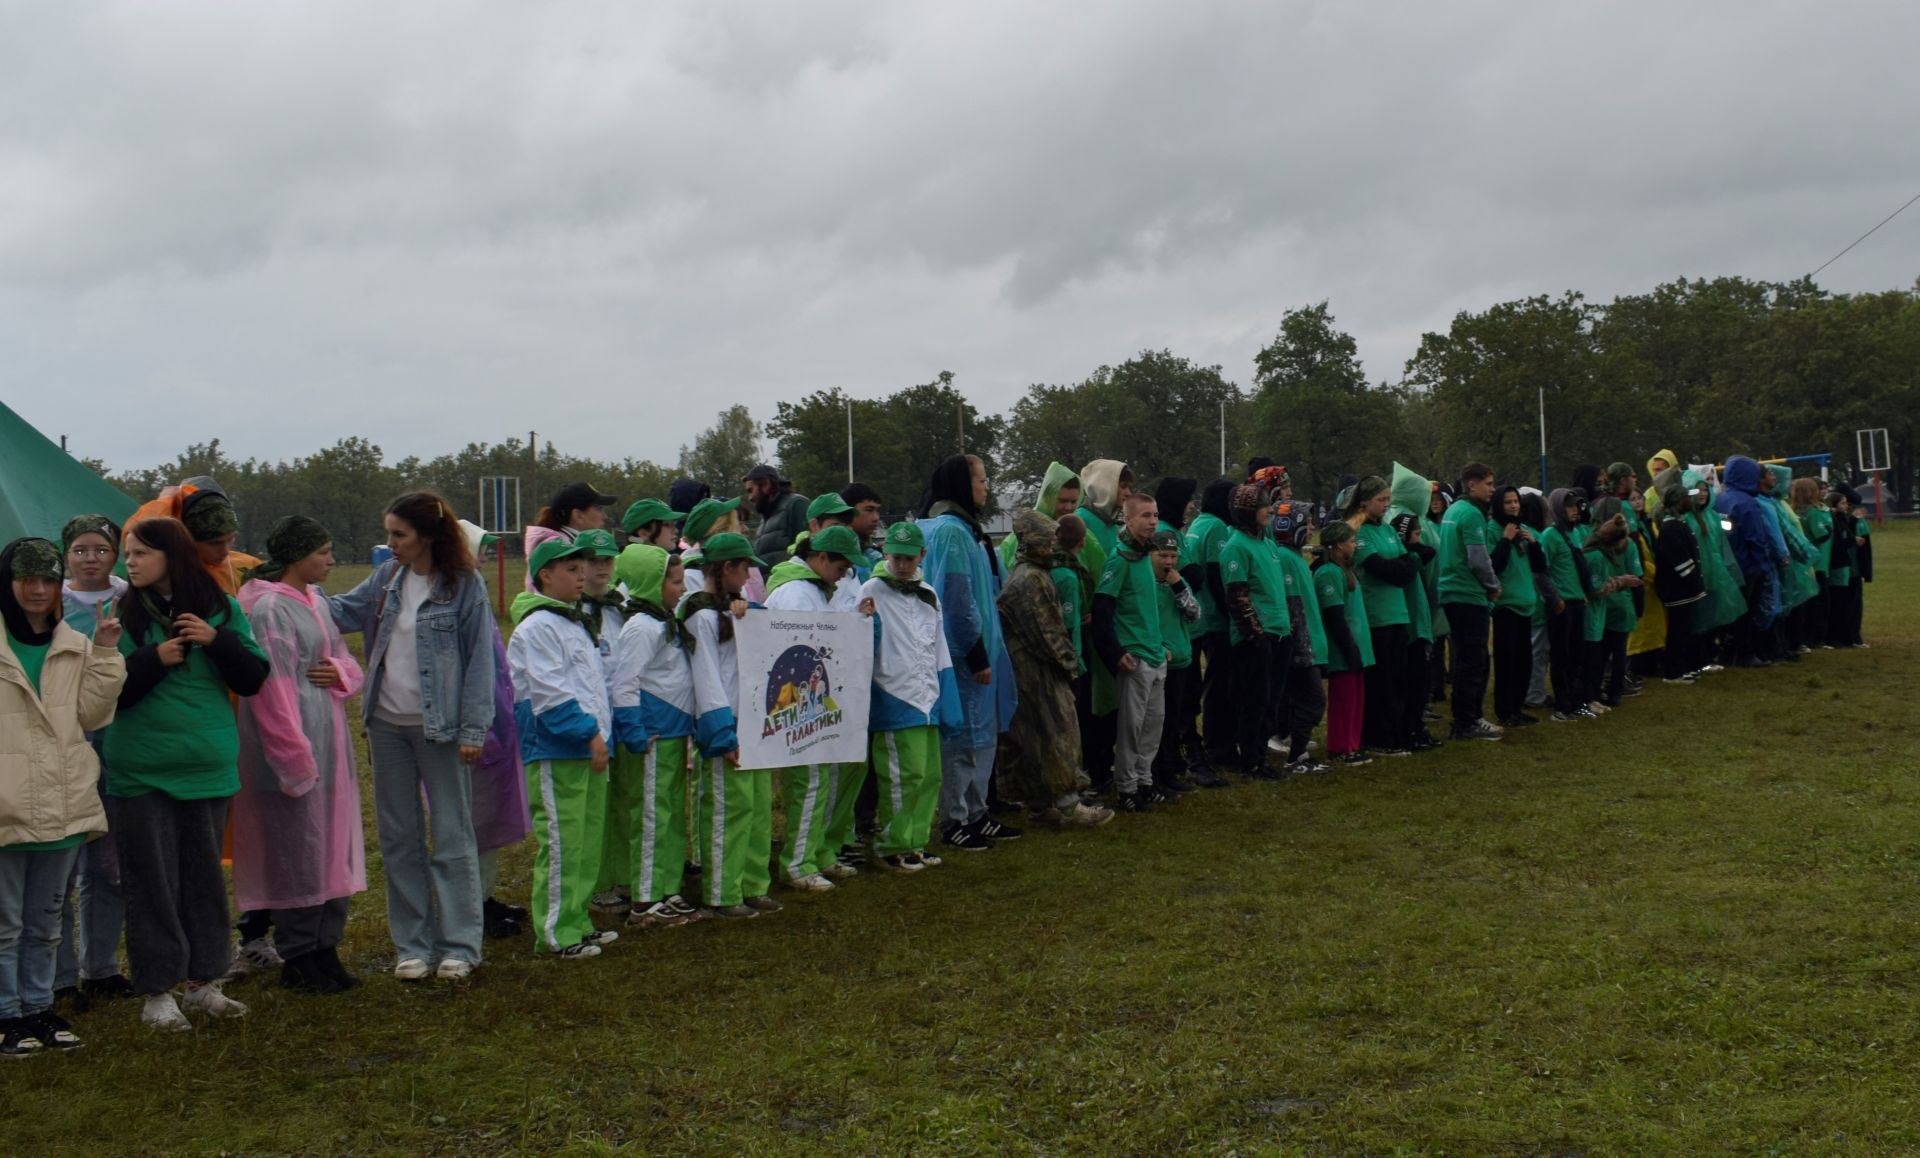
x=763, y=473
x=578, y=497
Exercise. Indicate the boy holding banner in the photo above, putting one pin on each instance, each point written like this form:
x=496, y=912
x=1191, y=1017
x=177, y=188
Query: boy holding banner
x=560, y=705
x=809, y=582
x=915, y=698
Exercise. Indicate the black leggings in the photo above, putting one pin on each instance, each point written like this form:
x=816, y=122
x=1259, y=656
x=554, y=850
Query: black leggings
x=1566, y=656
x=1383, y=722
x=1259, y=682
x=1679, y=659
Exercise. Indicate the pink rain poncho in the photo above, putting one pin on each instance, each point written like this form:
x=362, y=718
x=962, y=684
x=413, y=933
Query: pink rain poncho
x=297, y=834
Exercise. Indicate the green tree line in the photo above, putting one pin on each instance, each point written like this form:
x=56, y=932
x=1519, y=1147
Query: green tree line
x=1708, y=368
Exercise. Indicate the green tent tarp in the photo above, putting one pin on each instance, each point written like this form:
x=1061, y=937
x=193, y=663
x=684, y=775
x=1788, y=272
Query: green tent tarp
x=42, y=486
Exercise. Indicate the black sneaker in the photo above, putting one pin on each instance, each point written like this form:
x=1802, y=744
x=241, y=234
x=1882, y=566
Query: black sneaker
x=309, y=972
x=1159, y=794
x=995, y=831
x=1353, y=760
x=497, y=920
x=1176, y=784
x=1478, y=730
x=1260, y=772
x=1521, y=720
x=1308, y=766
x=967, y=838
x=336, y=969
x=1423, y=741
x=52, y=1030
x=1208, y=778
x=1133, y=802
x=17, y=1039
x=1391, y=751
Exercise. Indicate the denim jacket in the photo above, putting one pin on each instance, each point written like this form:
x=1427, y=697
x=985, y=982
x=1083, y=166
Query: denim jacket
x=454, y=633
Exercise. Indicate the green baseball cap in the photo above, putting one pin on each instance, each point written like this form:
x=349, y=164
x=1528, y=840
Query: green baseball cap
x=704, y=515
x=601, y=541
x=726, y=547
x=904, y=538
x=554, y=550
x=647, y=511
x=840, y=541
x=827, y=504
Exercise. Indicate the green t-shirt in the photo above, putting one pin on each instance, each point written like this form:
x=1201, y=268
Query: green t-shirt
x=1464, y=527
x=1330, y=586
x=1255, y=562
x=180, y=738
x=1175, y=631
x=1517, y=592
x=32, y=657
x=1560, y=566
x=1136, y=613
x=1066, y=584
x=1101, y=531
x=1386, y=603
x=1818, y=523
x=1300, y=584
x=1430, y=577
x=1204, y=538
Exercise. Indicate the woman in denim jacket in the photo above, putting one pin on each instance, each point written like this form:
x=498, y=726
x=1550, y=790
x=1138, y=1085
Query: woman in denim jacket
x=428, y=701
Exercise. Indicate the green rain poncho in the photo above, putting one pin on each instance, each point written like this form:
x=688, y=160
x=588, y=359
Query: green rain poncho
x=1411, y=496
x=1726, y=600
x=1797, y=584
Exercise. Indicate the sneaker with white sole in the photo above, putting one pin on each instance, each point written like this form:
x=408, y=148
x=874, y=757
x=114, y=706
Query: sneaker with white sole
x=811, y=883
x=687, y=909
x=162, y=1012
x=601, y=937
x=453, y=969
x=582, y=950
x=658, y=915
x=927, y=859
x=901, y=862
x=763, y=904
x=17, y=1039
x=412, y=969
x=53, y=1031
x=260, y=955
x=611, y=901
x=209, y=1000
x=841, y=868
x=731, y=912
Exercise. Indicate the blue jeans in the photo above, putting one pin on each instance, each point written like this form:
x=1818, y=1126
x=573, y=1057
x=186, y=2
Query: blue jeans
x=964, y=773
x=33, y=890
x=405, y=764
x=93, y=918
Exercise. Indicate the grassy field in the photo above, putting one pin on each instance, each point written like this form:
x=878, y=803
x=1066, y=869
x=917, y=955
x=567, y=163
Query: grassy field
x=1685, y=928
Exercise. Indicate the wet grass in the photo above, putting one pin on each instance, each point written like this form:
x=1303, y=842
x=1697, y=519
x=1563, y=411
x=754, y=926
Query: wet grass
x=1685, y=928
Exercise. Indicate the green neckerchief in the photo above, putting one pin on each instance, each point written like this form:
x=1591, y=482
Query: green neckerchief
x=677, y=632
x=574, y=612
x=913, y=587
x=707, y=601
x=593, y=609
x=163, y=618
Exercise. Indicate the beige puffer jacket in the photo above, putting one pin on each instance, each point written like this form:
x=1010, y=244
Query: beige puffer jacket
x=48, y=771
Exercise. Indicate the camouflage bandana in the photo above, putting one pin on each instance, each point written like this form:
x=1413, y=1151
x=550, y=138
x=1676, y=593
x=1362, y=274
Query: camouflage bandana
x=211, y=518
x=89, y=525
x=36, y=559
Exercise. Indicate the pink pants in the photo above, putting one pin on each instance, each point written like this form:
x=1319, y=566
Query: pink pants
x=1346, y=703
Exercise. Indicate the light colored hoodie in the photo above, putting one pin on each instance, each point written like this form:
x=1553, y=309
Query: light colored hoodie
x=1100, y=495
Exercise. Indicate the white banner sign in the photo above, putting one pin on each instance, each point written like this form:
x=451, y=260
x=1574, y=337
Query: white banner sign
x=805, y=679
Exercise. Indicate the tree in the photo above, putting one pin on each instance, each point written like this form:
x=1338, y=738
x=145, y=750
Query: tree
x=897, y=440
x=1314, y=411
x=722, y=454
x=1157, y=412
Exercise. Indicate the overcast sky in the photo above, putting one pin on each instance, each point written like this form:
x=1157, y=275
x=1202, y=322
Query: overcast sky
x=429, y=223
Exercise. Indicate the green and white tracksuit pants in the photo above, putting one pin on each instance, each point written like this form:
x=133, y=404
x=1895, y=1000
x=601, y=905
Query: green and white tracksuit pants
x=907, y=763
x=649, y=789
x=809, y=791
x=841, y=827
x=568, y=799
x=736, y=831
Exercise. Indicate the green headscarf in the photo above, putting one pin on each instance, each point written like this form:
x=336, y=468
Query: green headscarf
x=292, y=539
x=210, y=517
x=36, y=559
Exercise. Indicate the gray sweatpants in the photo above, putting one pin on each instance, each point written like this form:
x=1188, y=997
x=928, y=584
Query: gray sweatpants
x=175, y=893
x=297, y=932
x=1143, y=710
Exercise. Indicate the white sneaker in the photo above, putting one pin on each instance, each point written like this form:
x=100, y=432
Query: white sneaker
x=811, y=883
x=601, y=937
x=610, y=901
x=840, y=870
x=454, y=969
x=209, y=1000
x=1490, y=725
x=1276, y=745
x=1598, y=708
x=162, y=1012
x=412, y=969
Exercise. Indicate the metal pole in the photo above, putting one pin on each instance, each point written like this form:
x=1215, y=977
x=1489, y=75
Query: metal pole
x=849, y=439
x=1543, y=440
x=1223, y=437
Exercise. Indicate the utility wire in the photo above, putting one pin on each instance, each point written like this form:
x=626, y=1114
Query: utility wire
x=1867, y=234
